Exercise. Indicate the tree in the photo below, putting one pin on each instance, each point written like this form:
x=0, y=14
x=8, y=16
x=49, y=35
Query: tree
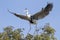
x=47, y=33
x=9, y=34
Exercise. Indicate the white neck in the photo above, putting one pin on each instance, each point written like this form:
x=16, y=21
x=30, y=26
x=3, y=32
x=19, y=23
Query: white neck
x=28, y=15
x=27, y=12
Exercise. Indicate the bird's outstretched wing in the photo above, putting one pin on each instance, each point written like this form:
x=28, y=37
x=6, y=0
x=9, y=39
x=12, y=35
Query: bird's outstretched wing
x=18, y=15
x=44, y=12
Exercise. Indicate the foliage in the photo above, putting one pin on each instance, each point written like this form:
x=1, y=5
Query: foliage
x=10, y=34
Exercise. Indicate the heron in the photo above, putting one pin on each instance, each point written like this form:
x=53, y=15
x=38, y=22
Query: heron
x=35, y=17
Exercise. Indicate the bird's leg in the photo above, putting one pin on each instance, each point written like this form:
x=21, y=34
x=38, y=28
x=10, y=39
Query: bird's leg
x=35, y=32
x=30, y=27
x=36, y=29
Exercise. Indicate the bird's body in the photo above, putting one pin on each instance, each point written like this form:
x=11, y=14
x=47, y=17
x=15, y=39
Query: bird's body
x=32, y=21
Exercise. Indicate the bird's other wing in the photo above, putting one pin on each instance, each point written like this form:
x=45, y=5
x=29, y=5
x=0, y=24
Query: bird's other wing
x=44, y=12
x=20, y=16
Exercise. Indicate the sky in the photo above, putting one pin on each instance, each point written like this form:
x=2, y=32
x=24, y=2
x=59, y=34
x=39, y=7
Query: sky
x=18, y=6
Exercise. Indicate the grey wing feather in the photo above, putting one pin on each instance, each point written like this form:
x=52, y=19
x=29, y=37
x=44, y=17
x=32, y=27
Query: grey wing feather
x=44, y=12
x=20, y=16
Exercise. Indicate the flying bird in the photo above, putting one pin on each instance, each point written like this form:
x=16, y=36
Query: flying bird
x=39, y=15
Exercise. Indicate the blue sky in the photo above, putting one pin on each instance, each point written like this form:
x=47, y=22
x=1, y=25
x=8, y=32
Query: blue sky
x=18, y=6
